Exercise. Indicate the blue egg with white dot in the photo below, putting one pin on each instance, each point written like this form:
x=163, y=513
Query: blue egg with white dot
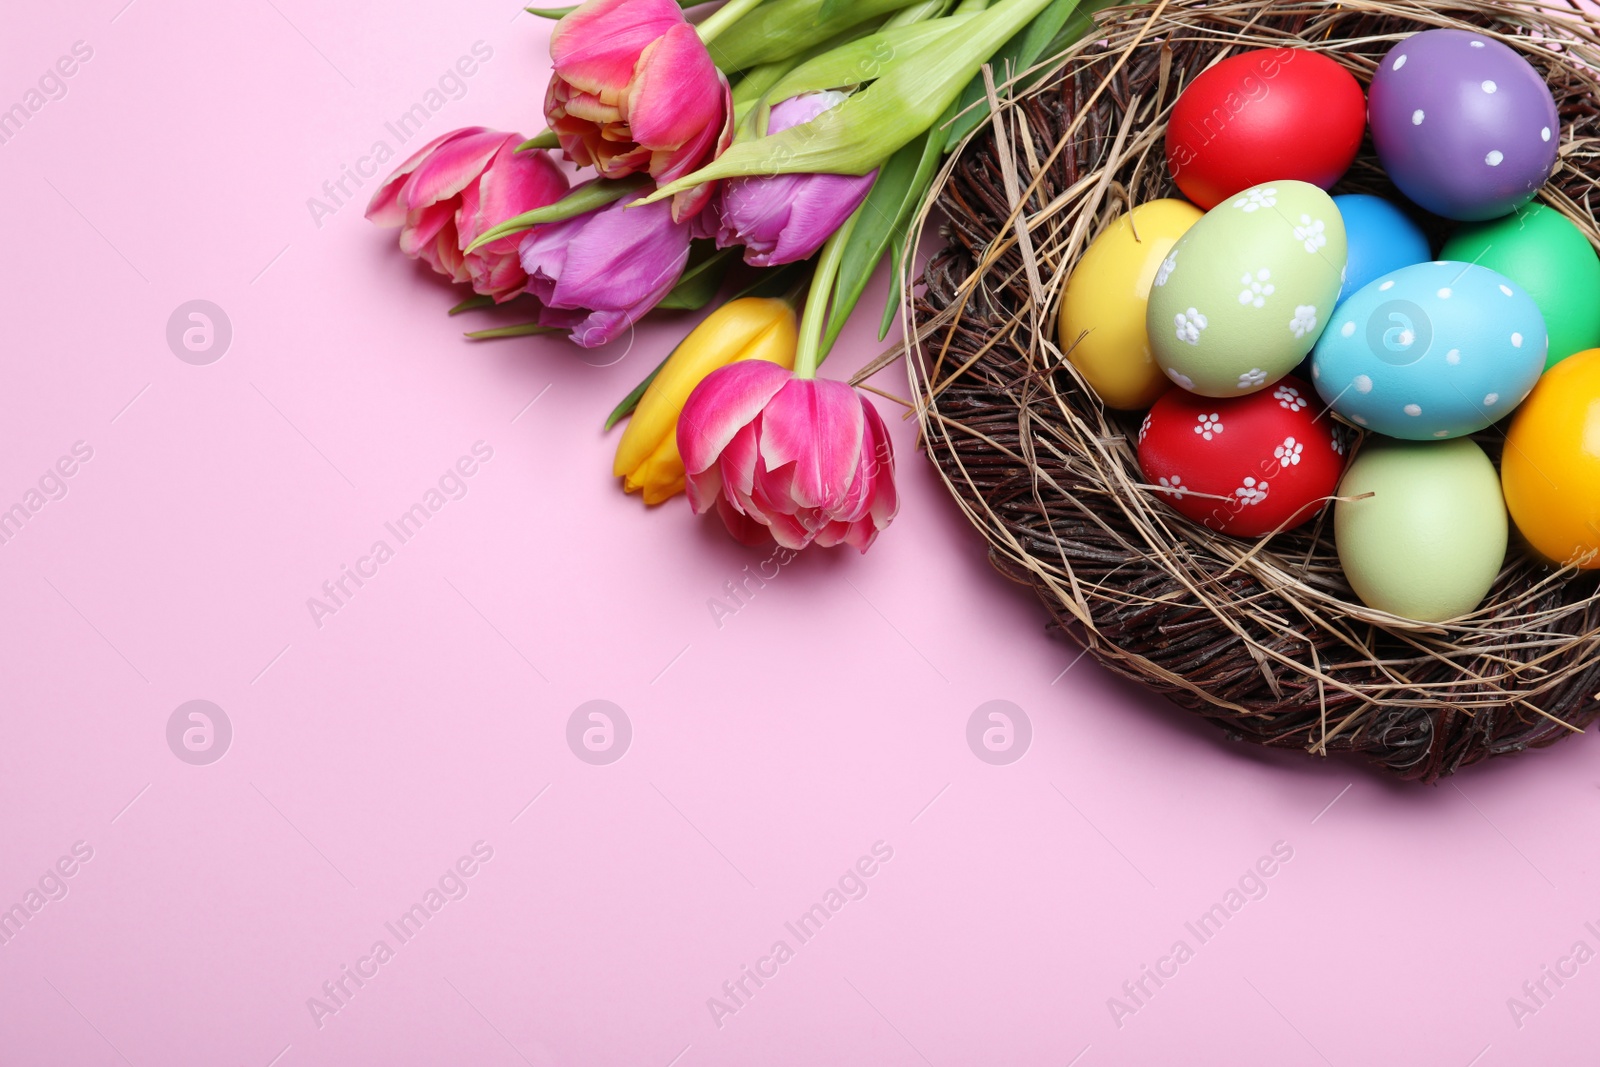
x=1380, y=238
x=1431, y=351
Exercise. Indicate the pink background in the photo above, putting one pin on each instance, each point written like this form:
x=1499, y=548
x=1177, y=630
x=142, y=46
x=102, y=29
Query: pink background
x=768, y=754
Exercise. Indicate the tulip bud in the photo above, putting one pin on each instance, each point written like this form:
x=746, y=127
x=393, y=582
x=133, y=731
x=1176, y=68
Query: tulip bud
x=633, y=89
x=600, y=272
x=747, y=328
x=784, y=218
x=788, y=459
x=457, y=188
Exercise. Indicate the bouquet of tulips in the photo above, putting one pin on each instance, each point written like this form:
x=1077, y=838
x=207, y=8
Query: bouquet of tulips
x=801, y=135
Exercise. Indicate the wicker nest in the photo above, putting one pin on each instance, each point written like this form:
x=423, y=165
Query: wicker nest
x=1264, y=639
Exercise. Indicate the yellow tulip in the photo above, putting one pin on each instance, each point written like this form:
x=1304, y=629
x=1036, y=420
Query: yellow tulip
x=747, y=328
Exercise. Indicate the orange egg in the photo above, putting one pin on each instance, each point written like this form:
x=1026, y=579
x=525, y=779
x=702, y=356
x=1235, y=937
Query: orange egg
x=1551, y=467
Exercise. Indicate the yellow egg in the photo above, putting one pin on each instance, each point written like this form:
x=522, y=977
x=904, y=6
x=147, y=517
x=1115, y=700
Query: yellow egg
x=1550, y=470
x=1102, y=317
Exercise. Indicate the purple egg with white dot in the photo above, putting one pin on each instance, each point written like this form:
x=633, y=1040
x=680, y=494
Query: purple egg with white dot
x=1463, y=124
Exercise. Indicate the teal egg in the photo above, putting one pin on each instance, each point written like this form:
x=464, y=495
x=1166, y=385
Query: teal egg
x=1431, y=351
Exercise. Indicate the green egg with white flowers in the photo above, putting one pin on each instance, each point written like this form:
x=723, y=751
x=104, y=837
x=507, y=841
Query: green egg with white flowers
x=1246, y=292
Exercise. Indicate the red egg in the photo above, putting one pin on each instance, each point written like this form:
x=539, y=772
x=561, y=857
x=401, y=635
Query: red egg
x=1271, y=114
x=1245, y=465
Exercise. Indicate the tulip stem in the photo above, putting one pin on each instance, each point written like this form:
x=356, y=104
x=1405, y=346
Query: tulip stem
x=809, y=353
x=723, y=17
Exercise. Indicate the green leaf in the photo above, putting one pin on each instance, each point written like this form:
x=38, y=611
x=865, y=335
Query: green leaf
x=1041, y=39
x=631, y=401
x=700, y=280
x=755, y=83
x=521, y=329
x=778, y=282
x=473, y=303
x=891, y=305
x=876, y=122
x=547, y=139
x=586, y=197
x=882, y=223
x=782, y=28
x=757, y=80
x=863, y=60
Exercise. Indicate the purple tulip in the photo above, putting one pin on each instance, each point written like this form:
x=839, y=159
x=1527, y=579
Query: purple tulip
x=598, y=273
x=786, y=217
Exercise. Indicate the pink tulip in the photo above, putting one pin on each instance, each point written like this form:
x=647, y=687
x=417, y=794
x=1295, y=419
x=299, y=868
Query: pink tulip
x=634, y=89
x=599, y=273
x=786, y=458
x=455, y=188
x=786, y=217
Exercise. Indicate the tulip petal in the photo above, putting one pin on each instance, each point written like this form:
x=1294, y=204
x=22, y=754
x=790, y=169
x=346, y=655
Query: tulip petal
x=724, y=403
x=510, y=185
x=624, y=258
x=704, y=490
x=691, y=202
x=597, y=46
x=744, y=529
x=801, y=109
x=452, y=167
x=444, y=254
x=817, y=426
x=885, y=501
x=423, y=227
x=740, y=464
x=590, y=327
x=660, y=475
x=386, y=207
x=677, y=96
x=820, y=208
x=753, y=212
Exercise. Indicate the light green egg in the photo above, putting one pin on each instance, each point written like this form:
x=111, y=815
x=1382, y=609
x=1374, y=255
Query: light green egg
x=1245, y=293
x=1430, y=540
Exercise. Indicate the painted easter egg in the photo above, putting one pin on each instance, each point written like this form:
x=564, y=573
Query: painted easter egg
x=1429, y=540
x=1380, y=238
x=1550, y=469
x=1463, y=124
x=1270, y=114
x=1537, y=248
x=1431, y=351
x=1242, y=296
x=1247, y=465
x=1102, y=320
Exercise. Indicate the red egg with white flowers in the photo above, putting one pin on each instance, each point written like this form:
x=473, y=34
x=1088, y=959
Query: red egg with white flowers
x=1245, y=466
x=1266, y=115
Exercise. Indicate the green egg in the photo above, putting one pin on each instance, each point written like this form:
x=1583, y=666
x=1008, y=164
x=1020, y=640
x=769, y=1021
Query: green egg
x=1537, y=248
x=1430, y=539
x=1245, y=292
